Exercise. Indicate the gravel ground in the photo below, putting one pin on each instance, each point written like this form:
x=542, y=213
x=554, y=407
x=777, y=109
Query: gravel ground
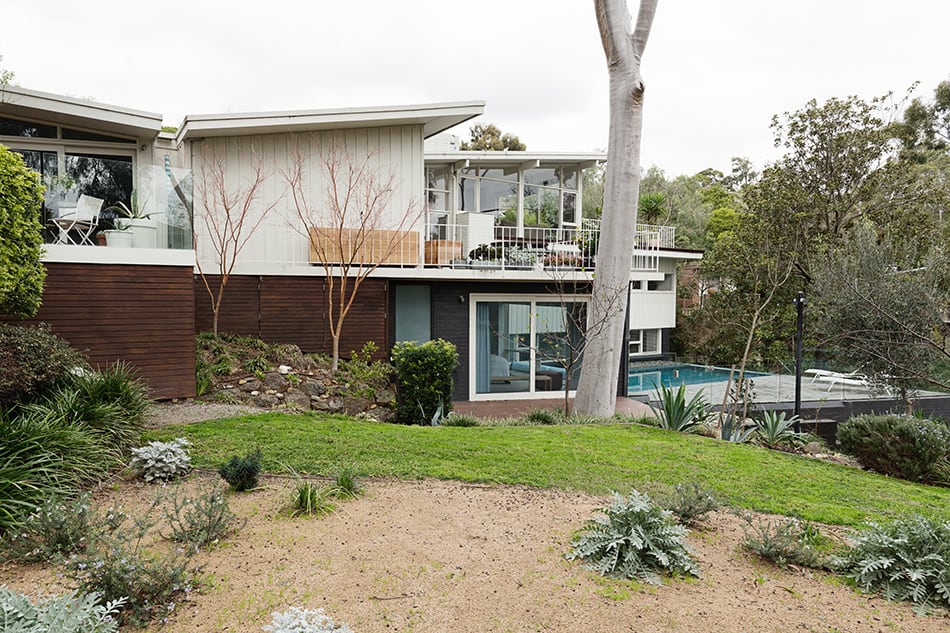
x=164, y=413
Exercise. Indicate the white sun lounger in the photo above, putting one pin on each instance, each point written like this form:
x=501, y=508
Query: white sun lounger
x=845, y=380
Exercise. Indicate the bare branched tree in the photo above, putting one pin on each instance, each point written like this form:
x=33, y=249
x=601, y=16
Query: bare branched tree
x=624, y=42
x=228, y=212
x=353, y=230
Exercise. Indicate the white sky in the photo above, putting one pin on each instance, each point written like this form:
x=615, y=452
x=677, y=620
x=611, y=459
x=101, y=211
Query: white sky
x=716, y=71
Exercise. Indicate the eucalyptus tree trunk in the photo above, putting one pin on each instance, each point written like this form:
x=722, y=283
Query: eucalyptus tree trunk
x=596, y=392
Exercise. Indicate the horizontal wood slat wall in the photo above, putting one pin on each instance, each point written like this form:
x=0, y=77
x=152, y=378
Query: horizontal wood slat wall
x=295, y=310
x=142, y=315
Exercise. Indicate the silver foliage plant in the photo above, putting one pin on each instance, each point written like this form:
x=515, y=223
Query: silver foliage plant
x=908, y=559
x=633, y=538
x=297, y=620
x=69, y=613
x=162, y=460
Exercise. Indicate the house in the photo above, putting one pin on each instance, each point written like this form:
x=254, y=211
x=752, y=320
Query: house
x=489, y=250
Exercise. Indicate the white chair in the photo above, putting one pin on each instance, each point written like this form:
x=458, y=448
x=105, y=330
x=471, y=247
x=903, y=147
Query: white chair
x=83, y=220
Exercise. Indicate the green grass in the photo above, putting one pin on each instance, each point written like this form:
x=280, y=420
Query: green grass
x=593, y=458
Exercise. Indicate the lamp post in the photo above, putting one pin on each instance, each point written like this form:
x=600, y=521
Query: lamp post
x=799, y=302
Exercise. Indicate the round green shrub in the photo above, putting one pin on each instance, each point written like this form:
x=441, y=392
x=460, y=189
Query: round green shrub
x=897, y=445
x=424, y=380
x=32, y=361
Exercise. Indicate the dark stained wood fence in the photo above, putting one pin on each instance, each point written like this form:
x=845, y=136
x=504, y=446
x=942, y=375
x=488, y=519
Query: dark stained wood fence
x=142, y=315
x=294, y=309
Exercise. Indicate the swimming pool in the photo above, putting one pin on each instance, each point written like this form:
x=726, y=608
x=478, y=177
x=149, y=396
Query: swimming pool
x=646, y=379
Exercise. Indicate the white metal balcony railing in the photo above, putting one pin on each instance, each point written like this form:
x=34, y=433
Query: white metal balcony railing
x=472, y=245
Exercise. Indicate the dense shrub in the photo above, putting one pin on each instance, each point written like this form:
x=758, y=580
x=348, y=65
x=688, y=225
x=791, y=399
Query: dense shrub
x=242, y=473
x=21, y=240
x=70, y=613
x=908, y=559
x=634, y=538
x=32, y=361
x=425, y=379
x=900, y=446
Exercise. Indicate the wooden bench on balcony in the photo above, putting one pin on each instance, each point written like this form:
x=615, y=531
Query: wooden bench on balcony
x=372, y=246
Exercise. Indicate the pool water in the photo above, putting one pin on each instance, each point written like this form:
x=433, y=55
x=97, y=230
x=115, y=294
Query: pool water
x=648, y=378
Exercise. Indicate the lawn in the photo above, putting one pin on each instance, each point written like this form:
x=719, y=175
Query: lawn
x=593, y=458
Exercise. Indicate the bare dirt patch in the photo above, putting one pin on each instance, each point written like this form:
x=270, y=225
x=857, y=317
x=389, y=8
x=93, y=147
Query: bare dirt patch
x=448, y=556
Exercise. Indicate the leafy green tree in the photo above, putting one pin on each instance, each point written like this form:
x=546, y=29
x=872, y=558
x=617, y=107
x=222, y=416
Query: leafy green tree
x=21, y=272
x=882, y=308
x=487, y=137
x=926, y=125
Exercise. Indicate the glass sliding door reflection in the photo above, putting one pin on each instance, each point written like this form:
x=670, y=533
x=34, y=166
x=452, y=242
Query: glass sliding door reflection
x=503, y=352
x=559, y=348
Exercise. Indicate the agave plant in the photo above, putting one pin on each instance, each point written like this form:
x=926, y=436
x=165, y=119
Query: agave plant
x=774, y=431
x=674, y=413
x=734, y=431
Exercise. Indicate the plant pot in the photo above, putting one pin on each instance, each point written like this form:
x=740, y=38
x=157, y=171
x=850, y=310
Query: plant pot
x=144, y=233
x=122, y=239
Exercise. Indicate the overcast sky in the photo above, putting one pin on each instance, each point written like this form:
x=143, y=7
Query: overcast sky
x=716, y=70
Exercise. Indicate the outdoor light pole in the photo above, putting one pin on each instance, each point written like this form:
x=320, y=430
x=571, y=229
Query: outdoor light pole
x=799, y=302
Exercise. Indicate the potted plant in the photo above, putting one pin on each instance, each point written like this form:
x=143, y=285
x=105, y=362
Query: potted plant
x=486, y=256
x=120, y=235
x=144, y=230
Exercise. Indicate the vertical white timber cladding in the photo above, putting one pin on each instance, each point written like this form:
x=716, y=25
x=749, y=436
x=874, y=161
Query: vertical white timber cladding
x=280, y=240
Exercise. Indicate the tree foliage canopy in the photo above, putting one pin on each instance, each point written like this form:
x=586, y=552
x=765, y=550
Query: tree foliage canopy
x=487, y=137
x=21, y=240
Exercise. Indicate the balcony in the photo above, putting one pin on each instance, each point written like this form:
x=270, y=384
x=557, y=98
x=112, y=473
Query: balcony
x=476, y=243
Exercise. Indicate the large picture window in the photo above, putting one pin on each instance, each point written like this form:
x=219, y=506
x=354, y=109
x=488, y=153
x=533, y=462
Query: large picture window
x=527, y=345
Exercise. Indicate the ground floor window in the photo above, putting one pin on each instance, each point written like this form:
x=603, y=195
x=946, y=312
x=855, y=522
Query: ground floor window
x=526, y=345
x=643, y=342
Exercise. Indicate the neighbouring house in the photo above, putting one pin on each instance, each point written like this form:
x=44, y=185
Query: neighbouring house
x=489, y=250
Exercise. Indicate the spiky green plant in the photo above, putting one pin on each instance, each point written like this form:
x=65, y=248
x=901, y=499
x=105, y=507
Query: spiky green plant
x=674, y=413
x=775, y=431
x=310, y=498
x=633, y=538
x=346, y=485
x=242, y=473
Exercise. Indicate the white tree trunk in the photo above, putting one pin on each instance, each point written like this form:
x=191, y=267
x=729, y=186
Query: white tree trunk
x=596, y=392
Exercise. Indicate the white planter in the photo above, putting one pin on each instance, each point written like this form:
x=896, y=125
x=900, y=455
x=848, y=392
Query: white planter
x=144, y=233
x=121, y=239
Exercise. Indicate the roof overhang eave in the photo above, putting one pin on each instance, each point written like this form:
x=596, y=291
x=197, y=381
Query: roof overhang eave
x=434, y=118
x=78, y=113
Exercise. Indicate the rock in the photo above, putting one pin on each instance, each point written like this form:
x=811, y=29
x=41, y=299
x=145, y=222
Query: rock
x=266, y=401
x=249, y=385
x=297, y=399
x=283, y=370
x=812, y=448
x=275, y=381
x=313, y=387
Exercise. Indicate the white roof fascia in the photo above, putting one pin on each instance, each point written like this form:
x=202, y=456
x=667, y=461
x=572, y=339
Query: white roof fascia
x=434, y=118
x=80, y=113
x=582, y=159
